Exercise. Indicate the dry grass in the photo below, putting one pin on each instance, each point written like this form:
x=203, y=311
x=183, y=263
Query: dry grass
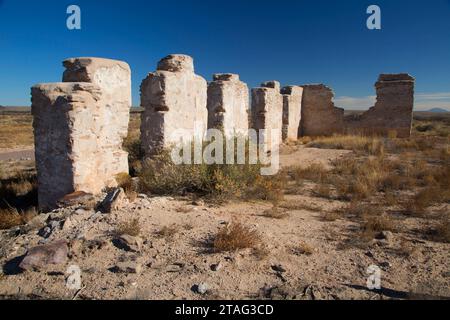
x=16, y=130
x=302, y=248
x=10, y=218
x=236, y=236
x=131, y=228
x=377, y=224
x=369, y=145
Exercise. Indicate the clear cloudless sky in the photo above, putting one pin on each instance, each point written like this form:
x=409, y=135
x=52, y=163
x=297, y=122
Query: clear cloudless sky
x=293, y=41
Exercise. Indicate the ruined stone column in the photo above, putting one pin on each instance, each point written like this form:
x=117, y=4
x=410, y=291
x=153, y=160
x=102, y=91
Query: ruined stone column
x=79, y=126
x=267, y=112
x=228, y=104
x=393, y=111
x=319, y=115
x=292, y=108
x=173, y=98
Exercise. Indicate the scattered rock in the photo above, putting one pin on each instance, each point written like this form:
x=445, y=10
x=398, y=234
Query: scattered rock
x=176, y=267
x=278, y=268
x=134, y=267
x=216, y=267
x=51, y=254
x=201, y=288
x=129, y=243
x=386, y=235
x=78, y=198
x=36, y=223
x=113, y=201
x=45, y=232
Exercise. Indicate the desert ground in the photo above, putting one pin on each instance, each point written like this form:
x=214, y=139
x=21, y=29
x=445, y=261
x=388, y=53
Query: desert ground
x=339, y=205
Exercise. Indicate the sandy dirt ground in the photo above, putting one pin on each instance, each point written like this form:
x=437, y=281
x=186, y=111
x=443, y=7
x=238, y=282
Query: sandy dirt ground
x=173, y=263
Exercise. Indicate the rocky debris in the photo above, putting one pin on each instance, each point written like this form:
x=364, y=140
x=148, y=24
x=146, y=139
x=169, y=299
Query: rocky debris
x=41, y=256
x=176, y=267
x=386, y=235
x=113, y=201
x=78, y=198
x=128, y=264
x=127, y=267
x=278, y=268
x=83, y=247
x=36, y=223
x=129, y=243
x=201, y=288
x=216, y=267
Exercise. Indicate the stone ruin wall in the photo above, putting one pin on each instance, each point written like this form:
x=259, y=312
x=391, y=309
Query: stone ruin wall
x=267, y=113
x=173, y=98
x=79, y=126
x=393, y=111
x=292, y=108
x=319, y=116
x=228, y=105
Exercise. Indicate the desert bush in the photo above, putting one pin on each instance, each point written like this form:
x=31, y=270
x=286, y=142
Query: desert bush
x=236, y=236
x=131, y=228
x=376, y=224
x=161, y=176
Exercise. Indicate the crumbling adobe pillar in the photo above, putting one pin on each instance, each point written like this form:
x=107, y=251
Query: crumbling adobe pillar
x=267, y=113
x=292, y=108
x=393, y=111
x=174, y=99
x=319, y=116
x=228, y=105
x=79, y=126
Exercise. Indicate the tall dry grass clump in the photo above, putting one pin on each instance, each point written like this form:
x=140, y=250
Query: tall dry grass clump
x=236, y=236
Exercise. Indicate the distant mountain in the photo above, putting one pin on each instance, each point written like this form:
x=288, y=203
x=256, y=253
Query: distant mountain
x=440, y=110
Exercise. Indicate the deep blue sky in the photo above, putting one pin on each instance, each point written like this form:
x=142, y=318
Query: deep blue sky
x=294, y=41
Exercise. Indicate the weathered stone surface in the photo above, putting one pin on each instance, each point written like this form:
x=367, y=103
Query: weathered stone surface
x=228, y=105
x=173, y=98
x=319, y=116
x=267, y=112
x=42, y=256
x=393, y=111
x=79, y=128
x=292, y=108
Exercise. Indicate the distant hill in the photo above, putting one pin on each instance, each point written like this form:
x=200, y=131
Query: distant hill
x=440, y=110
